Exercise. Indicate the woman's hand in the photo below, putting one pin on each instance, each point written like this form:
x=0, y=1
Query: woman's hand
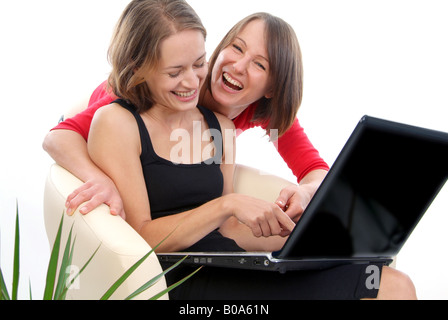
x=93, y=193
x=264, y=219
x=295, y=198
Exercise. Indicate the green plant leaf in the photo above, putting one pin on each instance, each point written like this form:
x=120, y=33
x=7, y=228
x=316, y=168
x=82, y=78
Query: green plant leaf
x=59, y=292
x=65, y=263
x=31, y=293
x=175, y=285
x=154, y=280
x=126, y=275
x=16, y=268
x=64, y=292
x=151, y=282
x=4, y=295
x=123, y=278
x=53, y=264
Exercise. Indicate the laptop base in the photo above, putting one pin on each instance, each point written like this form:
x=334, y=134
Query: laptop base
x=263, y=261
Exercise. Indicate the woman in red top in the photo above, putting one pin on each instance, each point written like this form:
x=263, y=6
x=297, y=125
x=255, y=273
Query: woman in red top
x=252, y=80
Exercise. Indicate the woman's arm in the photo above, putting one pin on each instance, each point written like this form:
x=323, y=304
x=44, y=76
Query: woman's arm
x=69, y=150
x=245, y=237
x=306, y=164
x=301, y=157
x=114, y=145
x=66, y=144
x=299, y=153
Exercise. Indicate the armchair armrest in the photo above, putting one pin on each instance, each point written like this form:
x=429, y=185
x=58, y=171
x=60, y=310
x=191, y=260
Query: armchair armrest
x=120, y=246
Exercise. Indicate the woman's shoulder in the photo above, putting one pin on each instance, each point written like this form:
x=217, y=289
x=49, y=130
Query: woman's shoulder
x=114, y=115
x=115, y=126
x=110, y=110
x=224, y=122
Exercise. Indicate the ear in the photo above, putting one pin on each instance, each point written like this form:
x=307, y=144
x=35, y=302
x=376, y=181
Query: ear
x=138, y=76
x=269, y=94
x=136, y=80
x=269, y=90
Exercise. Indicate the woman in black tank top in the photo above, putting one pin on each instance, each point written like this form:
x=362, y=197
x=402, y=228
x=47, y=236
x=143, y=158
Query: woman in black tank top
x=156, y=122
x=175, y=187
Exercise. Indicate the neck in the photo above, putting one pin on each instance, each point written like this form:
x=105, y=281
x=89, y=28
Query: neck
x=207, y=100
x=171, y=119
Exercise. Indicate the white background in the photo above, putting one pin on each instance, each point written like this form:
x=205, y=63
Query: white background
x=383, y=58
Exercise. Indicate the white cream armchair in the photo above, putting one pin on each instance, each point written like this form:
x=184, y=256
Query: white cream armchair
x=120, y=245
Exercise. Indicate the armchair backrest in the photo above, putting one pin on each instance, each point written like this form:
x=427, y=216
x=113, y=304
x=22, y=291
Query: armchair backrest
x=253, y=182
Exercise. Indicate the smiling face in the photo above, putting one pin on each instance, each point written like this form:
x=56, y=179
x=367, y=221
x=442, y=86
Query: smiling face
x=240, y=75
x=176, y=80
x=257, y=62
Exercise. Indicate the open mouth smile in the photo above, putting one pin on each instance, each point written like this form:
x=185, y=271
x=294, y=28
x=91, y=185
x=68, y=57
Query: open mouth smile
x=185, y=94
x=231, y=83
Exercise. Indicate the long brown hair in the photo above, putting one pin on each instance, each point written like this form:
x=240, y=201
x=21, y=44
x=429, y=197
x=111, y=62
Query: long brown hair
x=286, y=71
x=135, y=45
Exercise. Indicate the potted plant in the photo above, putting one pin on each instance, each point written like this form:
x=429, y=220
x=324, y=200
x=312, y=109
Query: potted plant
x=58, y=282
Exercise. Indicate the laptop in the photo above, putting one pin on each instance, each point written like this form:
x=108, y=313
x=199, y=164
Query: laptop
x=374, y=195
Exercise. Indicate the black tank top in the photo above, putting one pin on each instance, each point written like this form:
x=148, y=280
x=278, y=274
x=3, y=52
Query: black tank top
x=173, y=188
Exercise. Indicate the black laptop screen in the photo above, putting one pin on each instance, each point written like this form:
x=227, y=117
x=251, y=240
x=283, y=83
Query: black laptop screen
x=375, y=193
